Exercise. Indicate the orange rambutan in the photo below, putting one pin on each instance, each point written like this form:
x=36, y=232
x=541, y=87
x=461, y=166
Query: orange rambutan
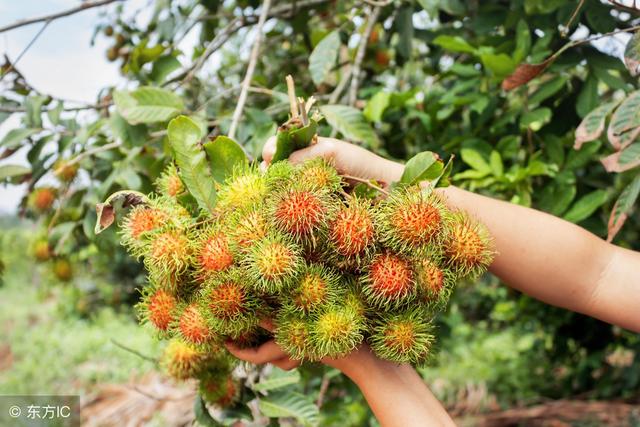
x=403, y=337
x=42, y=199
x=293, y=335
x=247, y=228
x=42, y=250
x=62, y=269
x=169, y=183
x=314, y=287
x=192, y=325
x=169, y=253
x=158, y=307
x=212, y=251
x=434, y=283
x=352, y=233
x=65, y=171
x=469, y=247
x=317, y=174
x=389, y=281
x=140, y=221
x=302, y=214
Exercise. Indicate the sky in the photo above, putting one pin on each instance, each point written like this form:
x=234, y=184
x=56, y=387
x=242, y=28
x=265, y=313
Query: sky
x=60, y=63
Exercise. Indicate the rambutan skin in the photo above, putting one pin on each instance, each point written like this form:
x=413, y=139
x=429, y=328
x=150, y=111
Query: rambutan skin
x=293, y=335
x=62, y=269
x=247, y=227
x=182, y=360
x=469, y=247
x=404, y=337
x=318, y=175
x=158, y=308
x=245, y=189
x=314, y=287
x=169, y=183
x=273, y=263
x=219, y=389
x=434, y=281
x=42, y=250
x=213, y=251
x=192, y=325
x=389, y=281
x=42, y=199
x=170, y=253
x=65, y=171
x=336, y=331
x=352, y=233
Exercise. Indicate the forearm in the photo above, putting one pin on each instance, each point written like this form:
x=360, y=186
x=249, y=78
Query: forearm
x=396, y=393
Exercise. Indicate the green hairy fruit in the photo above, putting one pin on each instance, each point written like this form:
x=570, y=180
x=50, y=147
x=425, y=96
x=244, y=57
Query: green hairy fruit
x=292, y=243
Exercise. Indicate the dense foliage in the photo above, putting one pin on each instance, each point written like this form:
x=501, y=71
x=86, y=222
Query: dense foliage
x=398, y=77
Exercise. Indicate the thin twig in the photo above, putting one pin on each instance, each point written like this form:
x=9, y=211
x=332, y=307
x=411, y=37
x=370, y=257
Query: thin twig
x=324, y=386
x=362, y=48
x=335, y=95
x=91, y=152
x=630, y=9
x=27, y=47
x=136, y=352
x=291, y=92
x=367, y=183
x=378, y=3
x=48, y=18
x=573, y=16
x=253, y=60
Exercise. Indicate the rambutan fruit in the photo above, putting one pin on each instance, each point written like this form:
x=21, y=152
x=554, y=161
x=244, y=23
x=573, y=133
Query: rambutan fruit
x=293, y=335
x=412, y=219
x=42, y=250
x=389, y=281
x=351, y=233
x=301, y=214
x=212, y=251
x=41, y=199
x=137, y=225
x=251, y=338
x=182, y=360
x=315, y=286
x=228, y=304
x=403, y=337
x=246, y=188
x=159, y=308
x=192, y=325
x=273, y=263
x=280, y=175
x=246, y=228
x=169, y=183
x=434, y=283
x=170, y=253
x=336, y=331
x=318, y=175
x=65, y=171
x=220, y=389
x=469, y=247
x=62, y=269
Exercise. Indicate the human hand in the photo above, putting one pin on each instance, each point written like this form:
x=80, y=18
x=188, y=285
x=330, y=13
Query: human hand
x=348, y=159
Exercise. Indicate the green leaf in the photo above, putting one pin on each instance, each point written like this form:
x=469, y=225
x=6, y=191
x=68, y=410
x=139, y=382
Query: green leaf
x=588, y=97
x=350, y=122
x=224, y=154
x=184, y=135
x=13, y=139
x=277, y=379
x=164, y=66
x=288, y=141
x=423, y=166
x=557, y=197
x=547, y=89
x=12, y=171
x=495, y=161
x=290, y=404
x=474, y=159
x=131, y=136
x=535, y=119
x=592, y=125
x=454, y=44
x=404, y=27
x=147, y=105
x=587, y=205
x=33, y=105
x=627, y=116
x=202, y=415
x=630, y=154
x=376, y=105
x=523, y=41
x=54, y=113
x=323, y=57
x=500, y=65
x=632, y=54
x=623, y=207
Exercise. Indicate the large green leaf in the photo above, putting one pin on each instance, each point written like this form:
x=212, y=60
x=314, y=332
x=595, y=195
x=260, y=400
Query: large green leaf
x=12, y=171
x=376, y=106
x=323, y=57
x=587, y=205
x=454, y=44
x=535, y=119
x=13, y=139
x=351, y=123
x=148, y=105
x=278, y=379
x=184, y=135
x=224, y=155
x=474, y=159
x=630, y=155
x=290, y=405
x=423, y=166
x=627, y=115
x=592, y=125
x=500, y=65
x=131, y=135
x=202, y=415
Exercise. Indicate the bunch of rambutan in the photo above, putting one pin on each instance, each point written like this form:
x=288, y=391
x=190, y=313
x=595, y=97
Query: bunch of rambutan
x=291, y=243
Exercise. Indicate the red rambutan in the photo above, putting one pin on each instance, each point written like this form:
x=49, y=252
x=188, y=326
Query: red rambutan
x=42, y=199
x=300, y=213
x=352, y=233
x=193, y=326
x=212, y=251
x=389, y=281
x=182, y=360
x=159, y=309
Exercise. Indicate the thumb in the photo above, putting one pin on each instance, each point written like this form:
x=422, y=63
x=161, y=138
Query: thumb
x=325, y=151
x=269, y=149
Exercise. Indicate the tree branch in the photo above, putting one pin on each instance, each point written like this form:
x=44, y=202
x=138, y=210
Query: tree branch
x=253, y=60
x=48, y=18
x=362, y=48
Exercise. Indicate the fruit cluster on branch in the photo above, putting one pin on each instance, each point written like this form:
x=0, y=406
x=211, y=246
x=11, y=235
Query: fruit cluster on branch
x=331, y=268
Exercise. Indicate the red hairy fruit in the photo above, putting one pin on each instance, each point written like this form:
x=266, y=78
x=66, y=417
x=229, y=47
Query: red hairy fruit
x=299, y=213
x=141, y=220
x=389, y=281
x=352, y=230
x=42, y=199
x=161, y=307
x=62, y=269
x=169, y=251
x=469, y=246
x=182, y=360
x=193, y=325
x=318, y=175
x=213, y=253
x=169, y=184
x=293, y=335
x=403, y=337
x=431, y=278
x=227, y=299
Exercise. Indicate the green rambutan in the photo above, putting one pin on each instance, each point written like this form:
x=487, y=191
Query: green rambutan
x=230, y=307
x=273, y=263
x=403, y=337
x=336, y=331
x=293, y=335
x=42, y=250
x=219, y=389
x=169, y=183
x=280, y=175
x=301, y=214
x=182, y=360
x=351, y=233
x=412, y=219
x=246, y=228
x=159, y=308
x=192, y=325
x=469, y=247
x=389, y=281
x=246, y=188
x=62, y=269
x=318, y=175
x=212, y=251
x=41, y=199
x=315, y=286
x=170, y=253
